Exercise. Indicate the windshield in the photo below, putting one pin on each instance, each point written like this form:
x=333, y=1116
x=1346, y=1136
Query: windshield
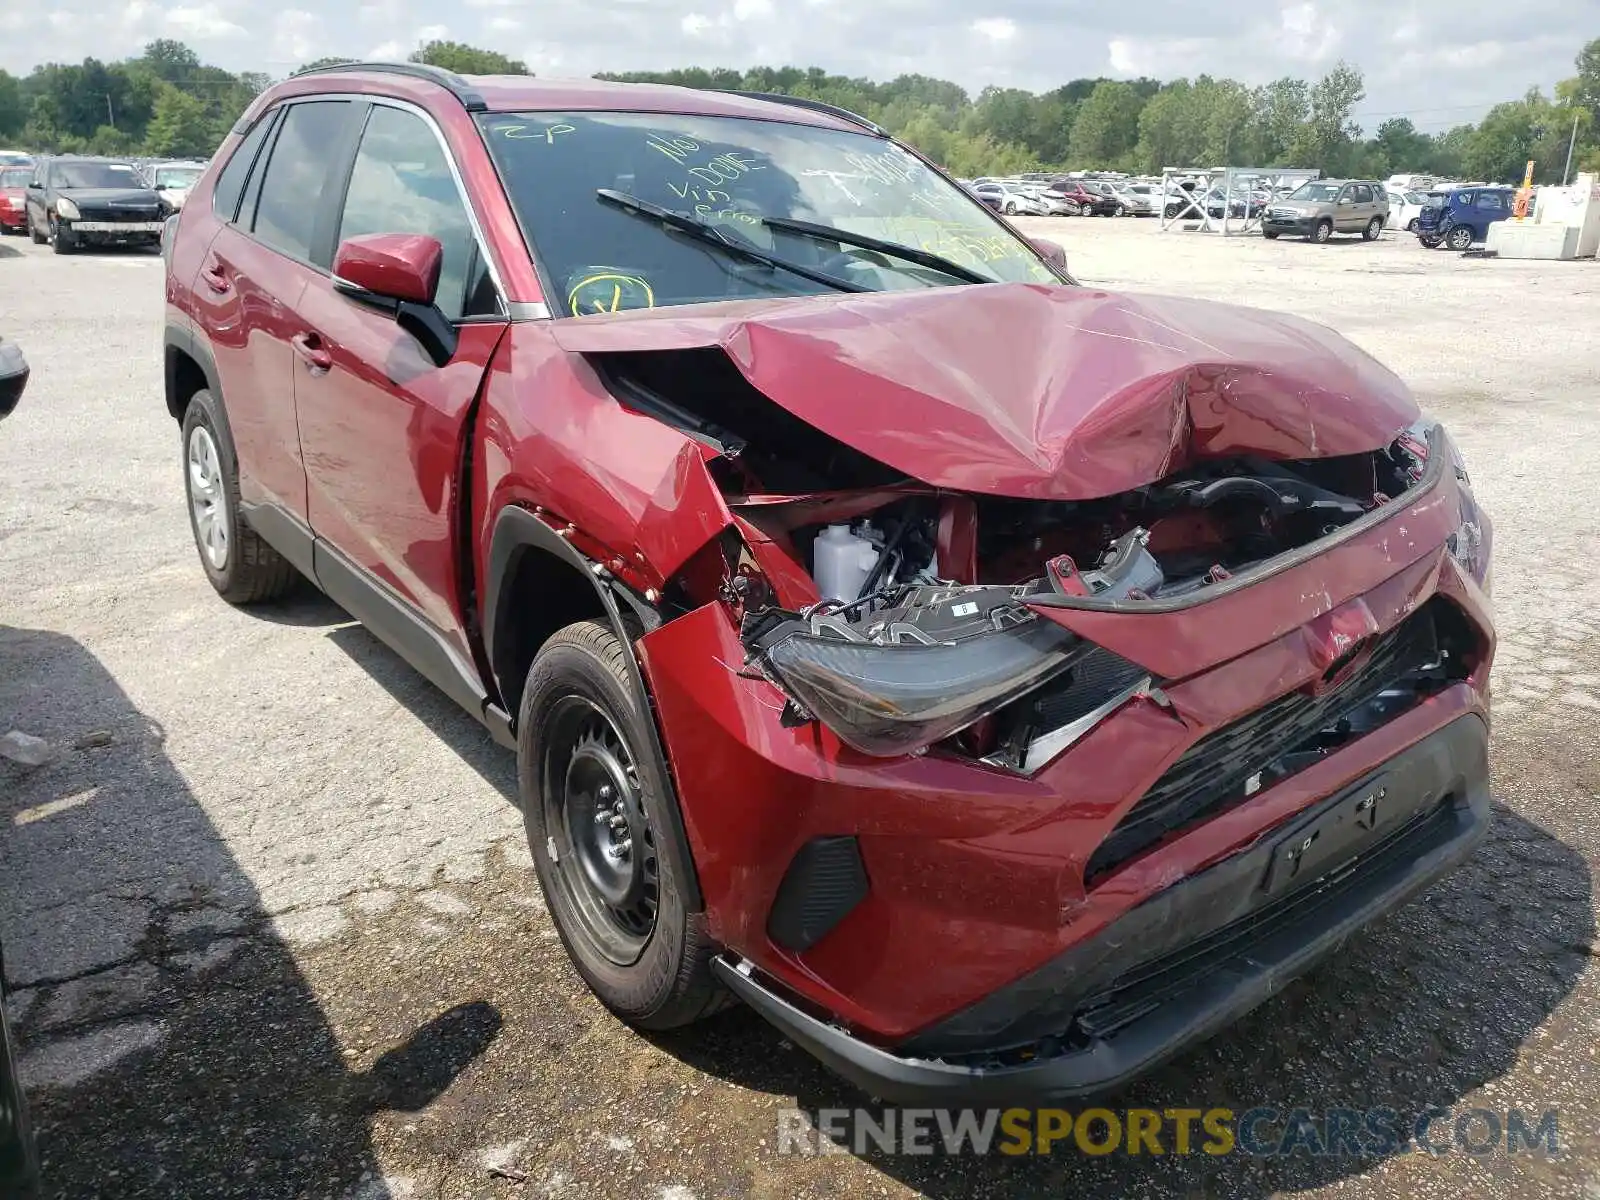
x=1416, y=198
x=94, y=175
x=176, y=177
x=734, y=172
x=1316, y=193
x=13, y=177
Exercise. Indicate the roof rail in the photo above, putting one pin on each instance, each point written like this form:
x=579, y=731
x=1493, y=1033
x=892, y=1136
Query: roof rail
x=832, y=110
x=471, y=99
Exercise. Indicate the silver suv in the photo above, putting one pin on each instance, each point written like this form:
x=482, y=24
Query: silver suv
x=1323, y=207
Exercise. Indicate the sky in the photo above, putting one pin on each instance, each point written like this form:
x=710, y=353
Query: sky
x=1439, y=64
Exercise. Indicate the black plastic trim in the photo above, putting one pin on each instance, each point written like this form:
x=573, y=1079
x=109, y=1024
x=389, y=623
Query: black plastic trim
x=398, y=623
x=1453, y=761
x=516, y=532
x=284, y=532
x=471, y=99
x=810, y=105
x=826, y=879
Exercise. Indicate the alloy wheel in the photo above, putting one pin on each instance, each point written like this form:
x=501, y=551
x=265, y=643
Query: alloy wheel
x=207, y=499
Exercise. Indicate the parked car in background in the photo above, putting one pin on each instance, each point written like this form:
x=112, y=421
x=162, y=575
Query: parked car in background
x=797, y=692
x=1081, y=200
x=1319, y=209
x=1463, y=216
x=73, y=202
x=1010, y=200
x=15, y=158
x=172, y=180
x=1138, y=199
x=14, y=182
x=1405, y=207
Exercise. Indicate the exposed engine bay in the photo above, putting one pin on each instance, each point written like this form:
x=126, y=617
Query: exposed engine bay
x=928, y=626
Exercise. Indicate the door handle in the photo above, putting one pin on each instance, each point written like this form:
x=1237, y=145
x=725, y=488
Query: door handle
x=216, y=278
x=309, y=347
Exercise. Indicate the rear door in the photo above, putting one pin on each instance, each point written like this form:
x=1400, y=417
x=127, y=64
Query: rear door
x=383, y=427
x=1346, y=216
x=1489, y=208
x=248, y=289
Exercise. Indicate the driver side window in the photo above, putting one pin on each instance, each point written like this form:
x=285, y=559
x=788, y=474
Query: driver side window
x=402, y=183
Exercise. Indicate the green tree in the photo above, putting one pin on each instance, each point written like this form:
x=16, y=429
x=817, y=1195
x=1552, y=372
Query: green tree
x=332, y=60
x=1282, y=109
x=13, y=109
x=1328, y=138
x=468, y=60
x=179, y=128
x=1107, y=126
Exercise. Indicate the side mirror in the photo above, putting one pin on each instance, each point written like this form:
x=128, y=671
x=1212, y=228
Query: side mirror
x=1346, y=200
x=399, y=273
x=1051, y=252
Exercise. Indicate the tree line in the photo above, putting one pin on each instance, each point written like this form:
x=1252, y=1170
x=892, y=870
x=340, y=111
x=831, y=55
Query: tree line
x=167, y=103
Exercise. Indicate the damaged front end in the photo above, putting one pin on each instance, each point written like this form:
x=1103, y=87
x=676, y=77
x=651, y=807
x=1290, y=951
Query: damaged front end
x=912, y=658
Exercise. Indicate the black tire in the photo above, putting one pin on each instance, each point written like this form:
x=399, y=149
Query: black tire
x=1322, y=232
x=650, y=965
x=1122, y=210
x=251, y=571
x=1269, y=235
x=1011, y=208
x=1431, y=243
x=1412, y=225
x=1459, y=237
x=62, y=241
x=1373, y=229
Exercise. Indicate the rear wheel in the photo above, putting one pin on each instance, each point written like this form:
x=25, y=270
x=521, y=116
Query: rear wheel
x=594, y=796
x=1322, y=232
x=241, y=567
x=1373, y=229
x=1269, y=234
x=1459, y=237
x=1411, y=225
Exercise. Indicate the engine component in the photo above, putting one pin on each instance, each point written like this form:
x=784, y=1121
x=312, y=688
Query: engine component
x=842, y=561
x=1126, y=568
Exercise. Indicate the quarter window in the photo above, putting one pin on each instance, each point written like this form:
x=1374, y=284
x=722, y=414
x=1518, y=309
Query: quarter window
x=309, y=139
x=402, y=183
x=230, y=184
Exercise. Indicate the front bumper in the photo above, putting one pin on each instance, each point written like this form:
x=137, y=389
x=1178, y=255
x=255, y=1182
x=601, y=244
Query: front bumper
x=1190, y=960
x=1290, y=225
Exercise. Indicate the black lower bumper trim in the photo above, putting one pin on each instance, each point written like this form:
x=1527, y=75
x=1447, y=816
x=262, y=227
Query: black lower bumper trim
x=1209, y=949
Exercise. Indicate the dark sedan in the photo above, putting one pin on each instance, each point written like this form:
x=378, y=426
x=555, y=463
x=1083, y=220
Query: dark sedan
x=74, y=202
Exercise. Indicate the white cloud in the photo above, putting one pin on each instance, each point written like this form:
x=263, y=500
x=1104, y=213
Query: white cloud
x=390, y=51
x=1306, y=35
x=504, y=24
x=695, y=24
x=996, y=29
x=751, y=10
x=202, y=23
x=432, y=33
x=297, y=36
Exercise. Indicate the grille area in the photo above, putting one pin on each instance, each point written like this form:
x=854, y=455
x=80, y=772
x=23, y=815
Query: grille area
x=1417, y=658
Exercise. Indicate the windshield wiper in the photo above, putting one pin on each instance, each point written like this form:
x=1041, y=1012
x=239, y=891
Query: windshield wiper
x=913, y=254
x=713, y=235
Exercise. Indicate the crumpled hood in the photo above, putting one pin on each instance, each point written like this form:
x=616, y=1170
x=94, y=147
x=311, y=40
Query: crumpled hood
x=1037, y=391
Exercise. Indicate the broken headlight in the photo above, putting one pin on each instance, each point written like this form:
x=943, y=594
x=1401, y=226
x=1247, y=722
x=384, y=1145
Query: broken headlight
x=894, y=683
x=1469, y=544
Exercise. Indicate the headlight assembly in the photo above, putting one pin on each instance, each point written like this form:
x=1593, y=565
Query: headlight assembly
x=66, y=208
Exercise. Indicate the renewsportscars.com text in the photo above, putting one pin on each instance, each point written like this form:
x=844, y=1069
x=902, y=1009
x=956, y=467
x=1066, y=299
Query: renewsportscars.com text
x=1261, y=1131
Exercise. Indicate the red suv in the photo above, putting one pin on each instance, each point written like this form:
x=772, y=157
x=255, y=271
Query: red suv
x=998, y=683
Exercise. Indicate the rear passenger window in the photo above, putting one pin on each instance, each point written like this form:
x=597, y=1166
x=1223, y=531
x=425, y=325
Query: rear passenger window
x=402, y=183
x=309, y=137
x=230, y=184
x=1490, y=200
x=1363, y=194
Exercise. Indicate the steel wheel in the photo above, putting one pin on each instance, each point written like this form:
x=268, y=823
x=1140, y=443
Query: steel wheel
x=601, y=843
x=207, y=499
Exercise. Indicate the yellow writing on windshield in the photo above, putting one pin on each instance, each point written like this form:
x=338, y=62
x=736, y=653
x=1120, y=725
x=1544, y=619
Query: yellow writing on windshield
x=609, y=292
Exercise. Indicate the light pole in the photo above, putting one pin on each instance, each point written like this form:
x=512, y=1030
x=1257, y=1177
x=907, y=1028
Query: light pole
x=1571, y=143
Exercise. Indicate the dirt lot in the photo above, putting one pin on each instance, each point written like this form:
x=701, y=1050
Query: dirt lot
x=269, y=919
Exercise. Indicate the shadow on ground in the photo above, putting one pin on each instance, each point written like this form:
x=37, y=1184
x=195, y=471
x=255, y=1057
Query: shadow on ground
x=170, y=1043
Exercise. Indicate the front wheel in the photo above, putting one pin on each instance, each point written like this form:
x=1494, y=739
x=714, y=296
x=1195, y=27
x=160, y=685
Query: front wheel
x=1269, y=234
x=62, y=241
x=241, y=567
x=594, y=797
x=1459, y=238
x=1122, y=210
x=1011, y=209
x=1373, y=229
x=1411, y=225
x=1323, y=231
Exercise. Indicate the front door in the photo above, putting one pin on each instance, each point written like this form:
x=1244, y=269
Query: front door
x=383, y=427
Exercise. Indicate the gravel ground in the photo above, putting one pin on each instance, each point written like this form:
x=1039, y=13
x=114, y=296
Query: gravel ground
x=268, y=916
